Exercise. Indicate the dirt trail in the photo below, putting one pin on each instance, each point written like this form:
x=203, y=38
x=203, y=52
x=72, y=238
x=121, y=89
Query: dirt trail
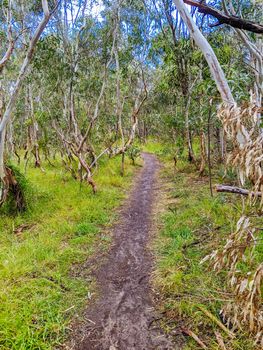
x=123, y=317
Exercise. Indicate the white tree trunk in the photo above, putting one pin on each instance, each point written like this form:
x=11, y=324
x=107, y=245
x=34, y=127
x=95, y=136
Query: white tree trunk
x=219, y=77
x=204, y=46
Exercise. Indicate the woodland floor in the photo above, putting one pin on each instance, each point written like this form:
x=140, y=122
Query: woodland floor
x=123, y=317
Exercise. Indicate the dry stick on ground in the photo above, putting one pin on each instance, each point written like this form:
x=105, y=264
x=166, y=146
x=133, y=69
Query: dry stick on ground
x=220, y=341
x=236, y=190
x=195, y=337
x=233, y=21
x=216, y=320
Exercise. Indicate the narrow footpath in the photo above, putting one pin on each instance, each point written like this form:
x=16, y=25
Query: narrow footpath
x=123, y=317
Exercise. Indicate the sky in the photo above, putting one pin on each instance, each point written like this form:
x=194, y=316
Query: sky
x=94, y=7
x=97, y=8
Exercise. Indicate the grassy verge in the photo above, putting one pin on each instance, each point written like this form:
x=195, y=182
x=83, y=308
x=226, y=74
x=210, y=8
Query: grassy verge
x=193, y=224
x=39, y=291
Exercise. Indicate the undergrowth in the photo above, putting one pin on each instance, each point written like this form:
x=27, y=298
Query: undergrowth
x=25, y=192
x=192, y=225
x=40, y=291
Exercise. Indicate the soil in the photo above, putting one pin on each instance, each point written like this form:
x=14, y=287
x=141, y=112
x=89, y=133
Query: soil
x=123, y=317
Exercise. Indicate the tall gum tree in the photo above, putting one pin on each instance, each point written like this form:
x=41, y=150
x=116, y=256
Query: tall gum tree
x=5, y=176
x=208, y=52
x=213, y=63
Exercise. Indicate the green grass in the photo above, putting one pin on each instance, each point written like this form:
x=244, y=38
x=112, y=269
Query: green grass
x=41, y=284
x=160, y=149
x=193, y=224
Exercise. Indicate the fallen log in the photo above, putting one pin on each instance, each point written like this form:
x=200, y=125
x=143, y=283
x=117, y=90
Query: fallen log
x=236, y=190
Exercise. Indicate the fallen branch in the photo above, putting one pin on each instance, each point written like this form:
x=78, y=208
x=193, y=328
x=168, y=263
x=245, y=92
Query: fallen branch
x=216, y=320
x=20, y=229
x=233, y=21
x=237, y=190
x=195, y=337
x=220, y=341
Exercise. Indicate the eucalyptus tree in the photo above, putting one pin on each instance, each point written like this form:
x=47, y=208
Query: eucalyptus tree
x=6, y=177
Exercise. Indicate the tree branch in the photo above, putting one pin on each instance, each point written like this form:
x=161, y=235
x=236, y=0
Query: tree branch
x=236, y=190
x=223, y=18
